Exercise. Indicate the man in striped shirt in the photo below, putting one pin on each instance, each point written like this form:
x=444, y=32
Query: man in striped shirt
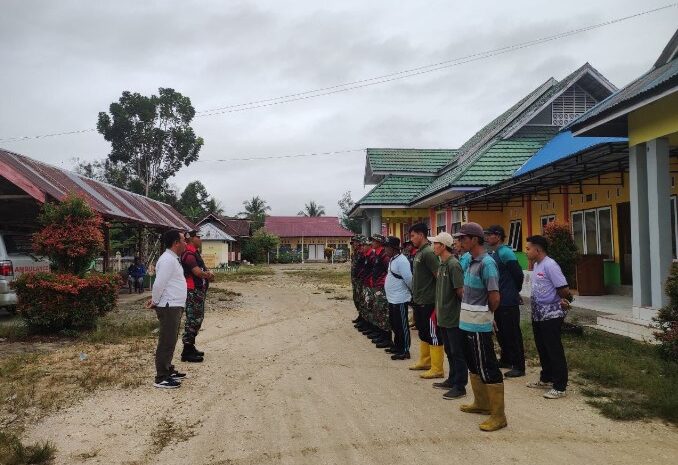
x=480, y=300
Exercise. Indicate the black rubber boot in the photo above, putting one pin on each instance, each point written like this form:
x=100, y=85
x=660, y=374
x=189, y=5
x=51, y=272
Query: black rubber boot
x=189, y=355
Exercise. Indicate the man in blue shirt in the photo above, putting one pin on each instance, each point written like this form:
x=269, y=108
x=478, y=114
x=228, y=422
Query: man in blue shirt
x=479, y=302
x=507, y=316
x=397, y=288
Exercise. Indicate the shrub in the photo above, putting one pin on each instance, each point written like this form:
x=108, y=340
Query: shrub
x=51, y=302
x=257, y=247
x=562, y=249
x=71, y=235
x=667, y=319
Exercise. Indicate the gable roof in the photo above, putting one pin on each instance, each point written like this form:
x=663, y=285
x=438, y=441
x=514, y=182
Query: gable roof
x=562, y=146
x=393, y=190
x=609, y=117
x=235, y=227
x=305, y=226
x=40, y=181
x=381, y=162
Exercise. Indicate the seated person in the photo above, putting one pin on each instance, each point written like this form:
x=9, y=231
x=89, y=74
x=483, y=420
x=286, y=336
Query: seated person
x=136, y=273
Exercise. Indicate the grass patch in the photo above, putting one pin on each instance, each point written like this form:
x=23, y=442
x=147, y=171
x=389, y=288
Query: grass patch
x=116, y=328
x=339, y=297
x=222, y=295
x=13, y=329
x=324, y=276
x=245, y=274
x=14, y=452
x=629, y=380
x=167, y=432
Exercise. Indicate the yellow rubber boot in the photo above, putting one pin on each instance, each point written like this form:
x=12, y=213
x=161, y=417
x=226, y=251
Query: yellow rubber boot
x=481, y=402
x=437, y=360
x=424, y=362
x=497, y=418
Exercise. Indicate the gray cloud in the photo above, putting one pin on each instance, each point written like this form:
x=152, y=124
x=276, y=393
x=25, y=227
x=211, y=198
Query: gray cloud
x=65, y=61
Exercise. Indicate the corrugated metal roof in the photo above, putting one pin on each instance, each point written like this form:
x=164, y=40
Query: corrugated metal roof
x=111, y=202
x=298, y=226
x=563, y=146
x=395, y=190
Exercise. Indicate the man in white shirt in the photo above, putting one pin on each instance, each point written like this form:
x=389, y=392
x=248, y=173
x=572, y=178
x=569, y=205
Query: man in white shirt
x=398, y=294
x=168, y=299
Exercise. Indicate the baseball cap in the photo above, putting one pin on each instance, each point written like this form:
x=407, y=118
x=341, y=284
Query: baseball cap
x=496, y=229
x=470, y=229
x=443, y=238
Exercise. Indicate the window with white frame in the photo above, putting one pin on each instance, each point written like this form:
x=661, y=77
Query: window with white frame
x=515, y=239
x=570, y=104
x=592, y=231
x=440, y=222
x=674, y=226
x=546, y=219
x=457, y=220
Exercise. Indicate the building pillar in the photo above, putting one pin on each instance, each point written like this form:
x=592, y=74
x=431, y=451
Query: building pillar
x=640, y=238
x=659, y=207
x=375, y=223
x=365, y=226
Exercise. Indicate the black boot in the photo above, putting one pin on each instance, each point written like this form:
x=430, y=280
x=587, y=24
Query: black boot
x=197, y=352
x=357, y=320
x=189, y=355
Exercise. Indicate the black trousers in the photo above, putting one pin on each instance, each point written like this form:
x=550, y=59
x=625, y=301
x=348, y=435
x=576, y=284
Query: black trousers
x=397, y=314
x=425, y=319
x=509, y=336
x=170, y=320
x=453, y=340
x=480, y=357
x=551, y=352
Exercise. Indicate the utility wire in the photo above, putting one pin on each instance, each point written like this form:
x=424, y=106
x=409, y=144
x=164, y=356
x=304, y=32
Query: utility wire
x=275, y=157
x=380, y=79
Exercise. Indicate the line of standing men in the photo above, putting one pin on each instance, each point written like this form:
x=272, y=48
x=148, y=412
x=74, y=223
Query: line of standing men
x=180, y=287
x=460, y=295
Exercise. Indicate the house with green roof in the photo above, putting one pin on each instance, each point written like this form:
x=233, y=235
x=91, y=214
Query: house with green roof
x=413, y=185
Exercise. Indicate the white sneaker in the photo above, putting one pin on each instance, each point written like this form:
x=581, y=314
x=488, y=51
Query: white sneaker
x=554, y=394
x=539, y=385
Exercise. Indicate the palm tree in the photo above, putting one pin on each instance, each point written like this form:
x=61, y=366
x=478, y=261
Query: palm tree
x=312, y=209
x=255, y=211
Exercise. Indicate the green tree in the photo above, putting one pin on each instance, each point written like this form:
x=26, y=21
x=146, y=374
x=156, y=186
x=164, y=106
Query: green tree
x=255, y=211
x=346, y=203
x=312, y=209
x=562, y=249
x=195, y=203
x=151, y=137
x=258, y=247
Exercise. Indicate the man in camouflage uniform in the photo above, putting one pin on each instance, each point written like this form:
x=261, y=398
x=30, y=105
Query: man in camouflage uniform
x=381, y=336
x=197, y=280
x=365, y=281
x=357, y=260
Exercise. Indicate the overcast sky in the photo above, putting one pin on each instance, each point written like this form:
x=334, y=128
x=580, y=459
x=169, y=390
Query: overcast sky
x=64, y=61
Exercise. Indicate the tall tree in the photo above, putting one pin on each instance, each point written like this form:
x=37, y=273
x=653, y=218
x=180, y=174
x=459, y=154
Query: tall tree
x=151, y=137
x=312, y=209
x=255, y=211
x=195, y=203
x=346, y=203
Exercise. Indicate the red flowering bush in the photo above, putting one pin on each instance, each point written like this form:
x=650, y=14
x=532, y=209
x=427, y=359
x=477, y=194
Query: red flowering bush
x=71, y=235
x=667, y=318
x=52, y=302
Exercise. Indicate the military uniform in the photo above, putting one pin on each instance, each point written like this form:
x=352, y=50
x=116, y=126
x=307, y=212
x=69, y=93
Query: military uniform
x=357, y=265
x=195, y=298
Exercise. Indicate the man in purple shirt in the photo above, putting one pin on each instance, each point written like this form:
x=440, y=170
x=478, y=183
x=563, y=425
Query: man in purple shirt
x=550, y=301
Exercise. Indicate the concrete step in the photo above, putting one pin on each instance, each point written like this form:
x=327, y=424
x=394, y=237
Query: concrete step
x=640, y=330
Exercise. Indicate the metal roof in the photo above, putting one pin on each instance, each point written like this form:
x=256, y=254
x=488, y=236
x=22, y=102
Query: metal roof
x=561, y=146
x=413, y=162
x=298, y=226
x=572, y=170
x=42, y=181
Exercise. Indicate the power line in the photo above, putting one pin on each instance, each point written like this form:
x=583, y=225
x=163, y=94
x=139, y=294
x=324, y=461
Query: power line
x=380, y=79
x=273, y=157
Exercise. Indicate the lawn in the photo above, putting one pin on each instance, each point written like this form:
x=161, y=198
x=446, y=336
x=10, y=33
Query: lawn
x=323, y=276
x=244, y=274
x=623, y=378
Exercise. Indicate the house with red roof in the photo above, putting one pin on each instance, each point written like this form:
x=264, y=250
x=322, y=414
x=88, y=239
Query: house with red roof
x=310, y=234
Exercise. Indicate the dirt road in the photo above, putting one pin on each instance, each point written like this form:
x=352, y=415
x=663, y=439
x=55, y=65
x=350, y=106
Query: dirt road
x=288, y=380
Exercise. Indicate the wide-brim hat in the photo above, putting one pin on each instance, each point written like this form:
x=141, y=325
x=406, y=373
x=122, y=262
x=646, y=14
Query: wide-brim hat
x=378, y=238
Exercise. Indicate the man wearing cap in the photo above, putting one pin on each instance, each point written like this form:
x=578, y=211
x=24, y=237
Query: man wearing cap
x=507, y=316
x=481, y=299
x=449, y=292
x=423, y=303
x=356, y=262
x=197, y=280
x=382, y=335
x=397, y=288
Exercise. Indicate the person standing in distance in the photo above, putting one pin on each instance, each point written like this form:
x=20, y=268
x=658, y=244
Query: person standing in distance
x=507, y=316
x=168, y=299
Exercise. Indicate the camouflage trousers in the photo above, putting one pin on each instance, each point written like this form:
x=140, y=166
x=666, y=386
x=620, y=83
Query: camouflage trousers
x=378, y=308
x=195, y=314
x=358, y=299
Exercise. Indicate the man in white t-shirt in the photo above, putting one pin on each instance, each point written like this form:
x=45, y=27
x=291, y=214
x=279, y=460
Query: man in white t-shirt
x=398, y=294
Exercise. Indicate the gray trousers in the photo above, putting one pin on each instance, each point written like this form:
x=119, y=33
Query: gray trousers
x=168, y=333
